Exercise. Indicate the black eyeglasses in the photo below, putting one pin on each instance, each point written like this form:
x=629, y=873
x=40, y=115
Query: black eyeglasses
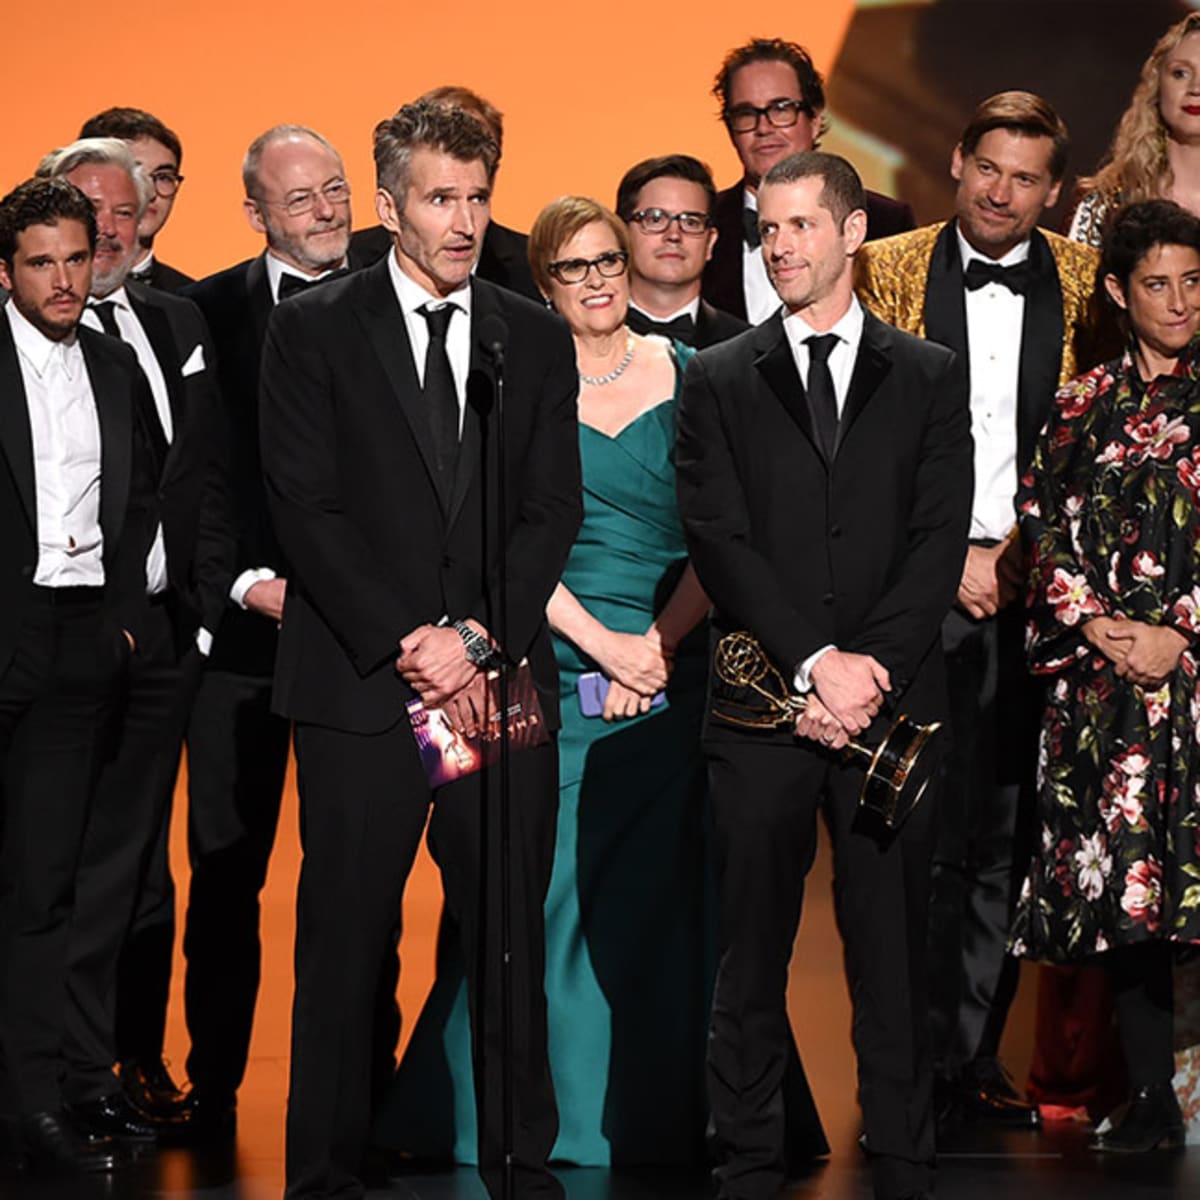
x=166, y=183
x=575, y=270
x=658, y=220
x=780, y=113
x=300, y=203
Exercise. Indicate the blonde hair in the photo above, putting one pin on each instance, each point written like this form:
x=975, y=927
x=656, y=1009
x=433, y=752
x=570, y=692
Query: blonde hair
x=558, y=223
x=1136, y=167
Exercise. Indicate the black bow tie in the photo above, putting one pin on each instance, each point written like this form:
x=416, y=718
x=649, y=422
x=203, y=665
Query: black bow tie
x=979, y=274
x=682, y=328
x=293, y=285
x=750, y=228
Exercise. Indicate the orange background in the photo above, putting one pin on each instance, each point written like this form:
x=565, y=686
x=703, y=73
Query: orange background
x=586, y=90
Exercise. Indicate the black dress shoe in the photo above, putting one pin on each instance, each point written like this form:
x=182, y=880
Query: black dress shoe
x=113, y=1116
x=1153, y=1121
x=150, y=1087
x=52, y=1146
x=209, y=1118
x=986, y=1093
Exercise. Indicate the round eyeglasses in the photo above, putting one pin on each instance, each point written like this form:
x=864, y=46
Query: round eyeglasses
x=658, y=220
x=166, y=183
x=575, y=270
x=299, y=203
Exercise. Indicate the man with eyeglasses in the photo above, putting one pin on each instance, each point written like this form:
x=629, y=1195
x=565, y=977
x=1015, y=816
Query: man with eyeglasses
x=772, y=102
x=124, y=895
x=667, y=203
x=297, y=197
x=159, y=153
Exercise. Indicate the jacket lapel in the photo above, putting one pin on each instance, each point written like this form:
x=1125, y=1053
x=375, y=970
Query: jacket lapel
x=870, y=368
x=777, y=366
x=114, y=408
x=162, y=342
x=945, y=312
x=1041, y=347
x=384, y=324
x=258, y=296
x=16, y=437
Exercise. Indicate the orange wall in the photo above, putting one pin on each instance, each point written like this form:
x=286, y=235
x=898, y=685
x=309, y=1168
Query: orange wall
x=586, y=89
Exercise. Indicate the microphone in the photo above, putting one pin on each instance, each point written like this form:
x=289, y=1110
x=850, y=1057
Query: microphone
x=493, y=336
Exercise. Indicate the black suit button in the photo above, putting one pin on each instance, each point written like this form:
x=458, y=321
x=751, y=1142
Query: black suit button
x=827, y=598
x=835, y=531
x=447, y=561
x=27, y=571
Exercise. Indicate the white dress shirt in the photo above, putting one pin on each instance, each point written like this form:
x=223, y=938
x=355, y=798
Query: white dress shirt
x=761, y=297
x=411, y=296
x=994, y=317
x=842, y=358
x=134, y=335
x=65, y=429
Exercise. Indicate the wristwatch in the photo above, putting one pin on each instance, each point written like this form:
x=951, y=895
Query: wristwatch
x=480, y=652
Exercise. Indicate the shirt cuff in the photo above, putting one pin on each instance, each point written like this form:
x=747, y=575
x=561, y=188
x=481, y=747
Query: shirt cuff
x=246, y=580
x=802, y=680
x=204, y=641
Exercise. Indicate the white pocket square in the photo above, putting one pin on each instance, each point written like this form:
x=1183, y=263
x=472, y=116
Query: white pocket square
x=195, y=362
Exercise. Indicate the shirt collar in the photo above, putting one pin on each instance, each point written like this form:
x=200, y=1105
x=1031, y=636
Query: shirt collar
x=277, y=269
x=120, y=298
x=1018, y=254
x=140, y=270
x=749, y=199
x=36, y=348
x=691, y=309
x=411, y=295
x=847, y=329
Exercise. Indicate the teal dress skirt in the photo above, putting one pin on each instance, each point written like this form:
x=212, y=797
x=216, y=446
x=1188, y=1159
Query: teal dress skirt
x=630, y=935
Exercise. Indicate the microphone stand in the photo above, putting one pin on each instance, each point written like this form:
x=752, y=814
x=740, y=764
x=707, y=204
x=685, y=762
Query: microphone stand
x=506, y=987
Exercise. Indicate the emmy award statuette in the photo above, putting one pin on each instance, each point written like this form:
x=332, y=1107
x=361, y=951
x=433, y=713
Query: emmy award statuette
x=898, y=769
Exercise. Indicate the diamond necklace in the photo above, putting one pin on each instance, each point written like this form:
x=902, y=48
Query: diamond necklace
x=616, y=372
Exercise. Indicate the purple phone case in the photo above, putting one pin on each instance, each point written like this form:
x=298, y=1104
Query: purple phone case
x=593, y=688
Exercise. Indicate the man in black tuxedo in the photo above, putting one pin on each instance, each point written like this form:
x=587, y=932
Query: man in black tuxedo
x=828, y=518
x=503, y=253
x=159, y=153
x=76, y=515
x=668, y=203
x=124, y=892
x=1012, y=302
x=298, y=199
x=380, y=450
x=772, y=102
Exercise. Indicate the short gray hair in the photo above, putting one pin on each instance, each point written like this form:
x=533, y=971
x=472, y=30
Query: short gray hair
x=453, y=131
x=277, y=133
x=61, y=162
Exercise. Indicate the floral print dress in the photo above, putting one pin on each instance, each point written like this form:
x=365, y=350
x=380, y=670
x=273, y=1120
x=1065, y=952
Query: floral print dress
x=1110, y=518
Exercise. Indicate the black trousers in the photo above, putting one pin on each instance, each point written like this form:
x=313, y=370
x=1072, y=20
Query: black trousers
x=765, y=802
x=363, y=804
x=53, y=699
x=982, y=841
x=130, y=807
x=237, y=760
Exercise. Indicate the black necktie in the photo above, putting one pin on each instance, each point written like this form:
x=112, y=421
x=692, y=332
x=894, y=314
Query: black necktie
x=293, y=285
x=750, y=228
x=822, y=399
x=979, y=274
x=148, y=410
x=440, y=394
x=682, y=328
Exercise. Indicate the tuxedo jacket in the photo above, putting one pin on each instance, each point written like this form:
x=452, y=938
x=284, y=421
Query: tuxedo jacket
x=236, y=304
x=163, y=278
x=915, y=282
x=377, y=545
x=864, y=551
x=193, y=489
x=722, y=284
x=712, y=326
x=503, y=257
x=128, y=512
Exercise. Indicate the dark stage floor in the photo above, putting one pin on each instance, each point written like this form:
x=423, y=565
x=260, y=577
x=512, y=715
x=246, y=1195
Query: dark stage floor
x=1054, y=1165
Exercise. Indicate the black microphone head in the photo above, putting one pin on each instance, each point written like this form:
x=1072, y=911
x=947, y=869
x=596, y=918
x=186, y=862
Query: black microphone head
x=493, y=334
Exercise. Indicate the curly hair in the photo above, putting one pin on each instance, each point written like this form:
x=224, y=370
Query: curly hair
x=808, y=78
x=430, y=126
x=1136, y=166
x=41, y=201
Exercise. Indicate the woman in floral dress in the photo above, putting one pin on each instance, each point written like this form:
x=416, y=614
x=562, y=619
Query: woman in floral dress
x=1110, y=518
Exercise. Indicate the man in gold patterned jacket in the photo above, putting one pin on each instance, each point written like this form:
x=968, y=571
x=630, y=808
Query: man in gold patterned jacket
x=1012, y=301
